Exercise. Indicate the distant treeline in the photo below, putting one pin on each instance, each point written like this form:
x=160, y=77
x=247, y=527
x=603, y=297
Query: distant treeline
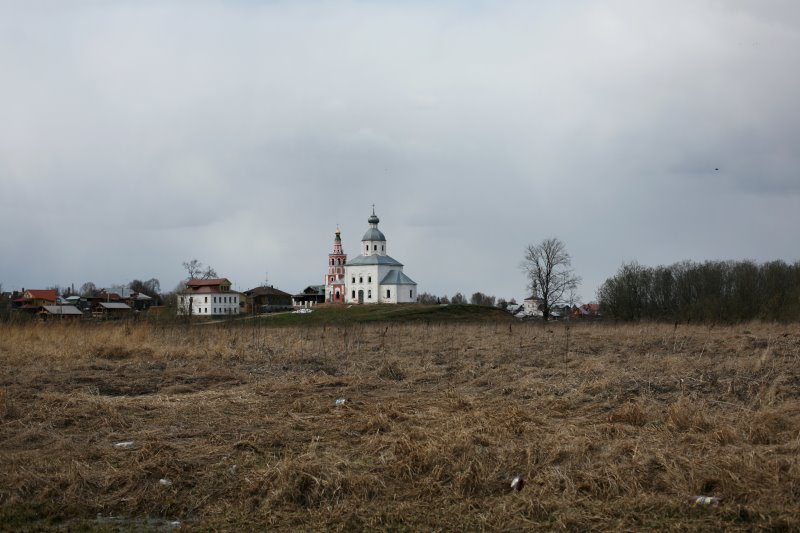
x=713, y=291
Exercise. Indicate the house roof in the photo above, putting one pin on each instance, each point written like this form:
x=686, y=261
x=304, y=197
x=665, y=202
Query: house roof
x=590, y=308
x=114, y=305
x=62, y=310
x=207, y=282
x=42, y=294
x=363, y=260
x=266, y=291
x=396, y=277
x=140, y=296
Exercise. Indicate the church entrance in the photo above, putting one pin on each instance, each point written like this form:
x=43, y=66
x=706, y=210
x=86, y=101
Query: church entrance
x=361, y=297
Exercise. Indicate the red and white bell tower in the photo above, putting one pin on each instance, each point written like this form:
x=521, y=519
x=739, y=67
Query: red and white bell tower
x=334, y=281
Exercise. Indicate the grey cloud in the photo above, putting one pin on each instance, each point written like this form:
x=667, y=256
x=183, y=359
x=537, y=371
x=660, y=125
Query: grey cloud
x=242, y=133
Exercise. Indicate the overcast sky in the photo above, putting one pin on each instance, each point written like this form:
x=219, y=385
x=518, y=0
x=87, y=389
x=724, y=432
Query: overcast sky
x=135, y=135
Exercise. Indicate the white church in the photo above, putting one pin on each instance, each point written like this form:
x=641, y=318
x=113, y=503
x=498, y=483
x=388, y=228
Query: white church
x=373, y=276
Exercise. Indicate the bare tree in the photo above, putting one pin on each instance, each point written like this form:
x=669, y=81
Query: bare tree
x=151, y=288
x=193, y=268
x=548, y=268
x=458, y=298
x=88, y=289
x=196, y=271
x=425, y=298
x=479, y=298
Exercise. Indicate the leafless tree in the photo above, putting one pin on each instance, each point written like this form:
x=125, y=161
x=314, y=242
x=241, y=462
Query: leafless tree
x=425, y=298
x=548, y=268
x=479, y=298
x=196, y=271
x=88, y=289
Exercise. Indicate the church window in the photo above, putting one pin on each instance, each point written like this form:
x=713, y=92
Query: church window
x=388, y=293
x=206, y=300
x=381, y=247
x=369, y=294
x=354, y=279
x=369, y=279
x=354, y=294
x=375, y=247
x=410, y=294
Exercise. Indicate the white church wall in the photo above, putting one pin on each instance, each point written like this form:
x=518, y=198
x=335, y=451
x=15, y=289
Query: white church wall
x=406, y=294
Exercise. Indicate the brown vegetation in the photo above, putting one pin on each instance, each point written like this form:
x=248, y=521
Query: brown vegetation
x=237, y=428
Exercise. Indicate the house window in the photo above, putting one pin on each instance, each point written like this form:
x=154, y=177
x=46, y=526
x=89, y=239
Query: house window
x=206, y=300
x=388, y=293
x=354, y=294
x=215, y=299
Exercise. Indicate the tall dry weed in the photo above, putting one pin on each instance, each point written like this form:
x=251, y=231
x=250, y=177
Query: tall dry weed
x=242, y=424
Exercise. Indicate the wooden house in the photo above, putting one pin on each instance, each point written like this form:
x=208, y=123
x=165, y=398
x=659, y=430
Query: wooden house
x=60, y=312
x=311, y=296
x=266, y=299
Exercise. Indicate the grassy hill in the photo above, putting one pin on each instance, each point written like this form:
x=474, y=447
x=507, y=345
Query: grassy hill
x=390, y=313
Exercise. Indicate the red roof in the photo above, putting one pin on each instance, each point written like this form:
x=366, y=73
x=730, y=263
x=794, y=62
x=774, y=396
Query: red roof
x=42, y=294
x=591, y=308
x=207, y=282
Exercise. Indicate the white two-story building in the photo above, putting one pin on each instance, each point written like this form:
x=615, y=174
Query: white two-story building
x=208, y=297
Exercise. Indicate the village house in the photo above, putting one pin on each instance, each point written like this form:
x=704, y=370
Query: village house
x=60, y=312
x=374, y=276
x=310, y=296
x=531, y=308
x=33, y=299
x=586, y=311
x=107, y=310
x=266, y=299
x=208, y=297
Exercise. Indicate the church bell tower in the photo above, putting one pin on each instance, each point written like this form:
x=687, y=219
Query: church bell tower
x=334, y=281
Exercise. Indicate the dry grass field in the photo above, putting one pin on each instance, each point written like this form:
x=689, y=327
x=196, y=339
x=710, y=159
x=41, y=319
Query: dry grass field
x=235, y=427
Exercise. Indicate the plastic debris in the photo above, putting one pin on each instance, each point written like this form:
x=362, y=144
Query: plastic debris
x=704, y=501
x=124, y=445
x=341, y=401
x=517, y=483
x=165, y=482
